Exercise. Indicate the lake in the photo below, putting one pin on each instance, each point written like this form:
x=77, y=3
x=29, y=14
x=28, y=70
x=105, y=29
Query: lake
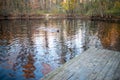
x=30, y=49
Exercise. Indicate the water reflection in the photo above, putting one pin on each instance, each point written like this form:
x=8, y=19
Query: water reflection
x=29, y=68
x=31, y=49
x=109, y=35
x=46, y=68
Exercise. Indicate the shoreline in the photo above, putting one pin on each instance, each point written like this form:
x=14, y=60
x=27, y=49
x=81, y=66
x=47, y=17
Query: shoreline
x=60, y=16
x=106, y=18
x=43, y=17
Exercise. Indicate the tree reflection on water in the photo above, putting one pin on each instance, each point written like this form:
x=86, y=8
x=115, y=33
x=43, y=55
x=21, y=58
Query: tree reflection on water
x=109, y=35
x=29, y=68
x=32, y=48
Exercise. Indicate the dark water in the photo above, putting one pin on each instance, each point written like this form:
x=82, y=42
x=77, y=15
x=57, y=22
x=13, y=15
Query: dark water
x=29, y=49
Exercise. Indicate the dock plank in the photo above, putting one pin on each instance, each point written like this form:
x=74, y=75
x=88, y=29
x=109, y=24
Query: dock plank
x=93, y=64
x=107, y=67
x=100, y=64
x=88, y=65
x=112, y=70
x=117, y=73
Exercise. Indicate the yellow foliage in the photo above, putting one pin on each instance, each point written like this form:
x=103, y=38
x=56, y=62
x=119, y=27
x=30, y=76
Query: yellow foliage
x=69, y=4
x=117, y=4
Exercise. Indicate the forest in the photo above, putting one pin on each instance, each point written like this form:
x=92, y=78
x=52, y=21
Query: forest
x=60, y=7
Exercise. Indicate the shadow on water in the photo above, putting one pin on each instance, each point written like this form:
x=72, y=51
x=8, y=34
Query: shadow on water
x=30, y=49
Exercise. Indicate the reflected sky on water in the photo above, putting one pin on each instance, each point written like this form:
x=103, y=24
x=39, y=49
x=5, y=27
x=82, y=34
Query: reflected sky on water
x=30, y=49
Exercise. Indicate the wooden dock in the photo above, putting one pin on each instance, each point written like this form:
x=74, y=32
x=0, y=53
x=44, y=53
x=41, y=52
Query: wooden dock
x=93, y=64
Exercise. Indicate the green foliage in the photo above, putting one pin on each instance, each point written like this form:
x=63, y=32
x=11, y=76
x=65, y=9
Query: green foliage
x=116, y=9
x=87, y=7
x=103, y=7
x=69, y=5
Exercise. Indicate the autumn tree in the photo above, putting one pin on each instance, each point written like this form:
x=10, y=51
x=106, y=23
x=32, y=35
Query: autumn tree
x=69, y=6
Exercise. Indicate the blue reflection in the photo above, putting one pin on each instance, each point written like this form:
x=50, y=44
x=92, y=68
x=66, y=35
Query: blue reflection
x=31, y=49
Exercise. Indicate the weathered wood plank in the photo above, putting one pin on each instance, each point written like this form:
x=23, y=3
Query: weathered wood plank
x=88, y=66
x=93, y=64
x=107, y=67
x=117, y=73
x=115, y=64
x=100, y=64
